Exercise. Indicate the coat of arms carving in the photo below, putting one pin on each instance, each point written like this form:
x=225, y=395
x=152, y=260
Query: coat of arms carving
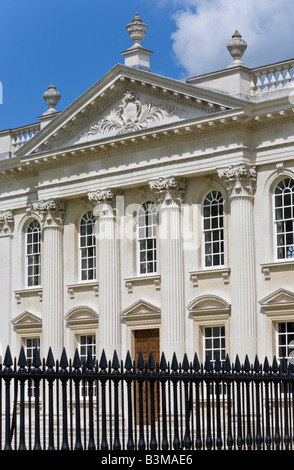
x=131, y=115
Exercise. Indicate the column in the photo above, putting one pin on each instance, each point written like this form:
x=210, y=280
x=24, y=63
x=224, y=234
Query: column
x=52, y=213
x=240, y=182
x=6, y=277
x=169, y=192
x=109, y=333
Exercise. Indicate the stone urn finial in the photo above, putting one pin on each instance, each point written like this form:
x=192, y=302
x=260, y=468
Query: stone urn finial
x=137, y=29
x=52, y=97
x=236, y=47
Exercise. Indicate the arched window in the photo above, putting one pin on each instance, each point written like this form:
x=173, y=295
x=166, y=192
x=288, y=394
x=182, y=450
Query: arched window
x=284, y=218
x=213, y=229
x=33, y=254
x=87, y=247
x=147, y=238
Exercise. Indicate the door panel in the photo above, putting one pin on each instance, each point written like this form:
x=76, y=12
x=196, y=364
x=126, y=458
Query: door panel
x=147, y=341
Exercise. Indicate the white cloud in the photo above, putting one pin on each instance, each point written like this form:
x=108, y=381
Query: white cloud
x=203, y=28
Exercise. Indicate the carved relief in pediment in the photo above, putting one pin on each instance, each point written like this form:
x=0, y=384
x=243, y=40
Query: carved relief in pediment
x=131, y=115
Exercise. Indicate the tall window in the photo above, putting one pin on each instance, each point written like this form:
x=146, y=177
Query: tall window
x=284, y=218
x=147, y=238
x=33, y=254
x=213, y=229
x=214, y=343
x=87, y=247
x=285, y=342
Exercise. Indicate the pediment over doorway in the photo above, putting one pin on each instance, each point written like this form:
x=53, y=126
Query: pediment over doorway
x=141, y=310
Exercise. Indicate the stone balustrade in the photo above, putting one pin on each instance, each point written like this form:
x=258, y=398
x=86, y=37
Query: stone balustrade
x=272, y=77
x=21, y=135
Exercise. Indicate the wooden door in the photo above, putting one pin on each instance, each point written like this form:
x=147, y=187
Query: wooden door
x=147, y=341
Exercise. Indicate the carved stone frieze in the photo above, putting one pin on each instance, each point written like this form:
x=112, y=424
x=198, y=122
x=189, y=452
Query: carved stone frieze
x=6, y=223
x=131, y=115
x=240, y=181
x=51, y=212
x=169, y=189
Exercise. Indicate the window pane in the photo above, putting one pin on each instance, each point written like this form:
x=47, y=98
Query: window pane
x=284, y=210
x=212, y=216
x=146, y=232
x=87, y=247
x=33, y=254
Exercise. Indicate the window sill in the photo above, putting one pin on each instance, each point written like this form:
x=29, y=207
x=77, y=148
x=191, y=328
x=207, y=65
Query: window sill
x=28, y=292
x=72, y=289
x=277, y=266
x=195, y=276
x=149, y=279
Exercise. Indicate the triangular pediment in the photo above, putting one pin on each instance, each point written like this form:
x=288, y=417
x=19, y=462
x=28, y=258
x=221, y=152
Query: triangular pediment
x=279, y=298
x=27, y=320
x=141, y=310
x=127, y=101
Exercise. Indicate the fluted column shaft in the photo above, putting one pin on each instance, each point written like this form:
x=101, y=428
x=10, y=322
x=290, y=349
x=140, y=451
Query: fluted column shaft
x=169, y=192
x=109, y=333
x=241, y=185
x=52, y=277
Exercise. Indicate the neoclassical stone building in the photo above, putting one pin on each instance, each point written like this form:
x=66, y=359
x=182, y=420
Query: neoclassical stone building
x=153, y=214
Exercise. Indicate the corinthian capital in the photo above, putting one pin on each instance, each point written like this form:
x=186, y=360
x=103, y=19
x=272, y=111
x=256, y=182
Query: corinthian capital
x=103, y=196
x=6, y=223
x=51, y=212
x=169, y=189
x=104, y=201
x=240, y=181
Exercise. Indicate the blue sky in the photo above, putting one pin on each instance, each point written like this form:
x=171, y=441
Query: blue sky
x=73, y=43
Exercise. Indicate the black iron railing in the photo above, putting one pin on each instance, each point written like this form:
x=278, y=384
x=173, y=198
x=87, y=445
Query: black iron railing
x=67, y=405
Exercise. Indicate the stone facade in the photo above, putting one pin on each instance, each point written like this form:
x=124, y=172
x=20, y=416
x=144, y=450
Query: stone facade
x=152, y=203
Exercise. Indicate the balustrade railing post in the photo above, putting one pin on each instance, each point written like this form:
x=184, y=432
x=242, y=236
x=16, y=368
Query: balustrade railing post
x=22, y=363
x=77, y=377
x=237, y=370
x=228, y=382
x=208, y=382
x=129, y=381
x=266, y=379
x=188, y=411
x=196, y=379
x=248, y=380
x=36, y=380
x=163, y=379
x=64, y=379
x=7, y=378
x=175, y=379
x=151, y=367
x=140, y=378
x=90, y=368
x=258, y=436
x=217, y=373
x=276, y=382
x=50, y=363
x=103, y=367
x=115, y=378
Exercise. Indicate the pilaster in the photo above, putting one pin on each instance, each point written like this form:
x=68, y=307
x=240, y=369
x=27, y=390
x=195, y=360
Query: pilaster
x=51, y=213
x=170, y=192
x=109, y=333
x=6, y=247
x=240, y=182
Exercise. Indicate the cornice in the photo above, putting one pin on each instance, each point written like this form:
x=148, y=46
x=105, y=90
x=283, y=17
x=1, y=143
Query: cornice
x=179, y=132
